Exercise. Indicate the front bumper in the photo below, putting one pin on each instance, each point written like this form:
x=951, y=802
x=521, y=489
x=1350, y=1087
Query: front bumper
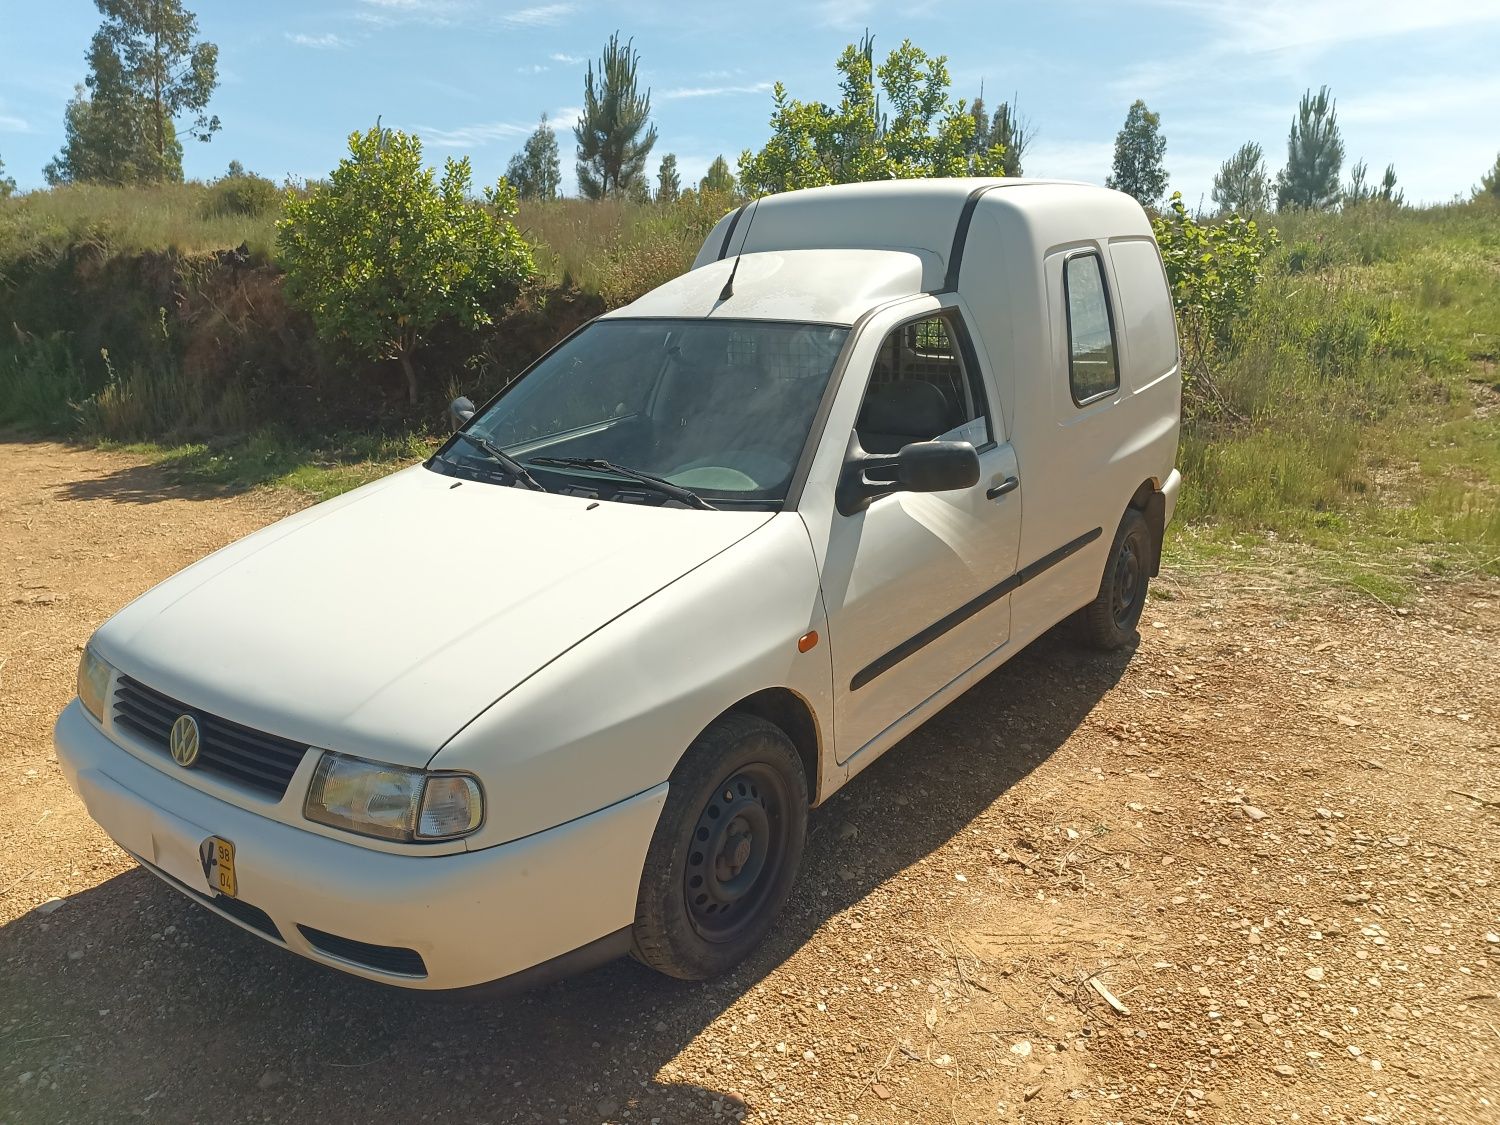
x=470, y=918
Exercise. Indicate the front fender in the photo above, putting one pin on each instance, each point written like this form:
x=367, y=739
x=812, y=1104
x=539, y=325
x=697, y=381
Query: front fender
x=610, y=717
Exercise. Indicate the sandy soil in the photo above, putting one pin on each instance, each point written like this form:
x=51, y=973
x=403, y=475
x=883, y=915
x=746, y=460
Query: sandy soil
x=1270, y=835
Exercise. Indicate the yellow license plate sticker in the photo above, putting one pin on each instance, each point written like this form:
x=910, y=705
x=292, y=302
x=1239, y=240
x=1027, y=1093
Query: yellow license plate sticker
x=219, y=866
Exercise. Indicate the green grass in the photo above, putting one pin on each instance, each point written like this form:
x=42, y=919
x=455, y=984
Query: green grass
x=125, y=220
x=616, y=249
x=268, y=459
x=1361, y=418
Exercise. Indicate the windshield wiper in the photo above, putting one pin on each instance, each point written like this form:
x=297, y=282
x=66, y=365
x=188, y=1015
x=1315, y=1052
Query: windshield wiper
x=665, y=487
x=503, y=459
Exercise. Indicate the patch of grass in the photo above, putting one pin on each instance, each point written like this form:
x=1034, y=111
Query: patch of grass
x=616, y=249
x=268, y=459
x=178, y=217
x=1355, y=423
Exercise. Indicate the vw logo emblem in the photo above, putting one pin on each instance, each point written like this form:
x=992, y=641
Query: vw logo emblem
x=184, y=741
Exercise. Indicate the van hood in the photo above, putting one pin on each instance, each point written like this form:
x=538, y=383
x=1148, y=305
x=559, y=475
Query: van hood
x=382, y=622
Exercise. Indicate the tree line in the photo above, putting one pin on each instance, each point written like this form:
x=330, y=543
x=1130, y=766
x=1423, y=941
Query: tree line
x=150, y=80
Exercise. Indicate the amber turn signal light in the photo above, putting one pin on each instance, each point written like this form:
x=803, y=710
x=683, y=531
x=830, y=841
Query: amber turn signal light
x=807, y=641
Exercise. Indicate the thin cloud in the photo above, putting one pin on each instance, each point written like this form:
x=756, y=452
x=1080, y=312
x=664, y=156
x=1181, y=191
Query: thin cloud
x=1285, y=36
x=1070, y=160
x=1295, y=25
x=534, y=68
x=843, y=13
x=470, y=136
x=389, y=13
x=564, y=119
x=9, y=124
x=1441, y=99
x=329, y=42
x=714, y=91
x=559, y=57
x=543, y=15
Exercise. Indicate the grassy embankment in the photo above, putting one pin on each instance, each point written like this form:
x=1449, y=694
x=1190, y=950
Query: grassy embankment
x=1366, y=391
x=1361, y=419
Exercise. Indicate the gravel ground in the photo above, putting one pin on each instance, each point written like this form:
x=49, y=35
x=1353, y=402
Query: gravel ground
x=1244, y=874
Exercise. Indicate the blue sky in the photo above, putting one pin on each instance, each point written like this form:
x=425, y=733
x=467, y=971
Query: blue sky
x=1416, y=80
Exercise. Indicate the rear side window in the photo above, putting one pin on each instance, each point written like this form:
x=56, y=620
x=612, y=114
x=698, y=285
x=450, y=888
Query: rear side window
x=1145, y=312
x=1093, y=362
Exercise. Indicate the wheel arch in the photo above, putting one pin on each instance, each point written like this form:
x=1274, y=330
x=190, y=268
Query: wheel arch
x=790, y=712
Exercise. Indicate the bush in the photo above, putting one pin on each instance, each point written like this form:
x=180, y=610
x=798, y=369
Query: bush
x=247, y=194
x=41, y=384
x=1213, y=272
x=383, y=254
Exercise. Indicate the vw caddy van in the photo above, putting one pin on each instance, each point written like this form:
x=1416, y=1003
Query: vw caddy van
x=717, y=551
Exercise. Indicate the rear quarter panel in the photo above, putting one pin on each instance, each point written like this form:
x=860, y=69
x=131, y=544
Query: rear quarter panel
x=1079, y=466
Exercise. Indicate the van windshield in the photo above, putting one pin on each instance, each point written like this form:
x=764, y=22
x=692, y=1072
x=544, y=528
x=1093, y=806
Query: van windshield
x=720, y=407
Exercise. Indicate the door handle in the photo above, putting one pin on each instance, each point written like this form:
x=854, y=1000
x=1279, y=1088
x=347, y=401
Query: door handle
x=1009, y=484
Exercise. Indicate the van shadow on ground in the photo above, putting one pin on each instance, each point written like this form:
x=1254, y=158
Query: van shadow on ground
x=134, y=1002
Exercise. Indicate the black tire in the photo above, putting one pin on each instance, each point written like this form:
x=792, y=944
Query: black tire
x=725, y=852
x=1109, y=621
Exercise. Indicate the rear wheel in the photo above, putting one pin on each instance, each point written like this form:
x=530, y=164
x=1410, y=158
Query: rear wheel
x=725, y=852
x=1110, y=620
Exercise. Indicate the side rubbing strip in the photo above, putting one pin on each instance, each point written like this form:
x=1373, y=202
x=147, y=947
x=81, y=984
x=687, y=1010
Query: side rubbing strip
x=969, y=609
x=961, y=236
x=728, y=234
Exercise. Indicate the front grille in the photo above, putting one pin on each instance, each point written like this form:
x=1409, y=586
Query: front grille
x=252, y=758
x=381, y=958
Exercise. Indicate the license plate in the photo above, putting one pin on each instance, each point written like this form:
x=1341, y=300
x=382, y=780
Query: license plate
x=217, y=855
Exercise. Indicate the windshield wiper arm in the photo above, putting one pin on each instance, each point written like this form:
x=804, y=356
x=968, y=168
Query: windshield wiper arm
x=503, y=459
x=665, y=487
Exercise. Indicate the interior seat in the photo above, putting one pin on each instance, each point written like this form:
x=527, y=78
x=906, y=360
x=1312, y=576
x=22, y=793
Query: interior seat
x=902, y=412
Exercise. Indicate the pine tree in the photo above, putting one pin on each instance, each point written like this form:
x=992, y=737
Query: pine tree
x=1139, y=149
x=1010, y=132
x=980, y=114
x=614, y=133
x=7, y=185
x=1314, y=156
x=1359, y=190
x=1241, y=185
x=668, y=183
x=719, y=180
x=1489, y=182
x=536, y=171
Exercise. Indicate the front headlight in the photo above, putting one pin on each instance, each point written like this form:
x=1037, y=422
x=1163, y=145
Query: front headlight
x=392, y=802
x=93, y=682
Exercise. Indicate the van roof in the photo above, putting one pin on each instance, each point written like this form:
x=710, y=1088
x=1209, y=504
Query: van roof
x=829, y=254
x=931, y=215
x=814, y=286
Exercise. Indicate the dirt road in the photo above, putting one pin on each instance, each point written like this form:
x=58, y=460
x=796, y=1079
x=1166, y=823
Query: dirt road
x=1270, y=834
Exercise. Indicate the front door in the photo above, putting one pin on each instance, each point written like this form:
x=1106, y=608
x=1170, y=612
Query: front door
x=917, y=585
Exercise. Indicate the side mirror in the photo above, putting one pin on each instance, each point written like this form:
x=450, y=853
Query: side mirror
x=460, y=410
x=923, y=466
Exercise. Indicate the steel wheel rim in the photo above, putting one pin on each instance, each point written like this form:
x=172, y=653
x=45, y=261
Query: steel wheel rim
x=1126, y=588
x=736, y=852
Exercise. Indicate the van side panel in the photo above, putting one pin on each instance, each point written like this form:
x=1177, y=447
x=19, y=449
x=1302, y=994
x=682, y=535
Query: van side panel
x=1146, y=308
x=1079, y=465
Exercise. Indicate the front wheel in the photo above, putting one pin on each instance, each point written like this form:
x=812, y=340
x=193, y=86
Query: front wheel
x=1110, y=620
x=725, y=852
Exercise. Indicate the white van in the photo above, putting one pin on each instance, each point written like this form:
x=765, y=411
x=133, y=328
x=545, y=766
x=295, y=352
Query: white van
x=568, y=689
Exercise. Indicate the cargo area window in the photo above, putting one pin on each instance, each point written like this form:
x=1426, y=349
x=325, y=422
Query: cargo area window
x=1093, y=361
x=922, y=388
